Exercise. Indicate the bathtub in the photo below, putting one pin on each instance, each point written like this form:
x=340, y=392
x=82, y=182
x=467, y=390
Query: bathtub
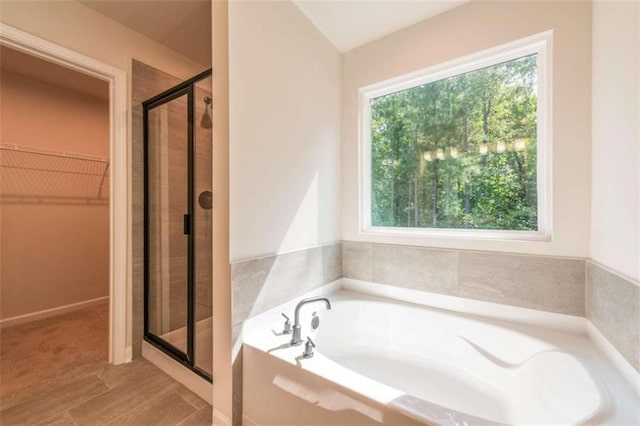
x=434, y=360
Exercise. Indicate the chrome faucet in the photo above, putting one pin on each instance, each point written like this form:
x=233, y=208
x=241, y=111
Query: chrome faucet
x=308, y=348
x=295, y=339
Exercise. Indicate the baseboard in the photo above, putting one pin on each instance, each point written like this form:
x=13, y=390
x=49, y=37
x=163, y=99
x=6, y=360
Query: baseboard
x=178, y=372
x=220, y=419
x=246, y=421
x=128, y=357
x=34, y=316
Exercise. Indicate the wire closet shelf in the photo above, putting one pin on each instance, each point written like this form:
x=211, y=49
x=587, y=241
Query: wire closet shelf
x=42, y=176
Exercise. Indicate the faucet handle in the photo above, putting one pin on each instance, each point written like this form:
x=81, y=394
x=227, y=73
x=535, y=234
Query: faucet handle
x=308, y=348
x=287, y=325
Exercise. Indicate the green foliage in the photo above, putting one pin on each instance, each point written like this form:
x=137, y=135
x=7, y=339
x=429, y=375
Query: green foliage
x=494, y=106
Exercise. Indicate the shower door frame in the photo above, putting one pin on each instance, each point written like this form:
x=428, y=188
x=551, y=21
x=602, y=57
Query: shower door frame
x=187, y=87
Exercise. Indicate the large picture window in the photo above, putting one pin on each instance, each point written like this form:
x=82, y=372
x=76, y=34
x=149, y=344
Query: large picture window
x=460, y=149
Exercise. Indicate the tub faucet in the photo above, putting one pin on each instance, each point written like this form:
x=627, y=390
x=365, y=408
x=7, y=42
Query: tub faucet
x=295, y=339
x=308, y=348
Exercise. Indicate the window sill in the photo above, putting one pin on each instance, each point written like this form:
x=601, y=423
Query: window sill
x=459, y=234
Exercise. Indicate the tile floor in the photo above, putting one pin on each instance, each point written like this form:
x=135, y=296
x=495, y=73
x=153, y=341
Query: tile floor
x=54, y=371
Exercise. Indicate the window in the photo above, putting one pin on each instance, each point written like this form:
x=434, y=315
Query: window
x=461, y=149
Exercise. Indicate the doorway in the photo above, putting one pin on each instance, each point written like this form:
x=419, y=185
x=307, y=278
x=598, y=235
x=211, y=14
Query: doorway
x=54, y=220
x=119, y=224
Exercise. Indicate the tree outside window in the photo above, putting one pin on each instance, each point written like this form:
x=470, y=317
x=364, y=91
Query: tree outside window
x=458, y=153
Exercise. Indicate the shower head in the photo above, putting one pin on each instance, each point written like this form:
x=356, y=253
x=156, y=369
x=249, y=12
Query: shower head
x=205, y=121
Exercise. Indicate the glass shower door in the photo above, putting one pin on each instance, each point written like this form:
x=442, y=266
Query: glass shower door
x=167, y=191
x=202, y=214
x=178, y=221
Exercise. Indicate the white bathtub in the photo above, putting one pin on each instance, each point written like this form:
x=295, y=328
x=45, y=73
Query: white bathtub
x=386, y=361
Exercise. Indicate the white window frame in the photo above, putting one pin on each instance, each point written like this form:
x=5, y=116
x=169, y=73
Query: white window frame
x=540, y=44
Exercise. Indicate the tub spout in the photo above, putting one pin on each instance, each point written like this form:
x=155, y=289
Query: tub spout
x=296, y=338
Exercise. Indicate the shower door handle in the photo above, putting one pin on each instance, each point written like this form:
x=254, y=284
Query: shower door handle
x=187, y=224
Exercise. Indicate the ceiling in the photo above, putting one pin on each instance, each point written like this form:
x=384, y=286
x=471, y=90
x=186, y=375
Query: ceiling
x=27, y=65
x=353, y=23
x=183, y=26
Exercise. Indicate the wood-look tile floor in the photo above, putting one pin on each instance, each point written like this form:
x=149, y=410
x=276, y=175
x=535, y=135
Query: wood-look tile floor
x=54, y=372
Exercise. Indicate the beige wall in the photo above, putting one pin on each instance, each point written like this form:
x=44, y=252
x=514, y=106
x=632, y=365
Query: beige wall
x=55, y=253
x=471, y=28
x=615, y=193
x=44, y=115
x=285, y=129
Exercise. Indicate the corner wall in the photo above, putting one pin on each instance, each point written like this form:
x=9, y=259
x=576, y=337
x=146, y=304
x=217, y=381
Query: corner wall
x=613, y=277
x=285, y=131
x=284, y=124
x=284, y=118
x=615, y=180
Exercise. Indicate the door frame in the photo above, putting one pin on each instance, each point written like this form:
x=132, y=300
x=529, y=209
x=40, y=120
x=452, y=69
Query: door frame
x=119, y=201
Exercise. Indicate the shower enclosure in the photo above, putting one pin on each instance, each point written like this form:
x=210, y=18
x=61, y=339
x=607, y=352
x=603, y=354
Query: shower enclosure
x=177, y=223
